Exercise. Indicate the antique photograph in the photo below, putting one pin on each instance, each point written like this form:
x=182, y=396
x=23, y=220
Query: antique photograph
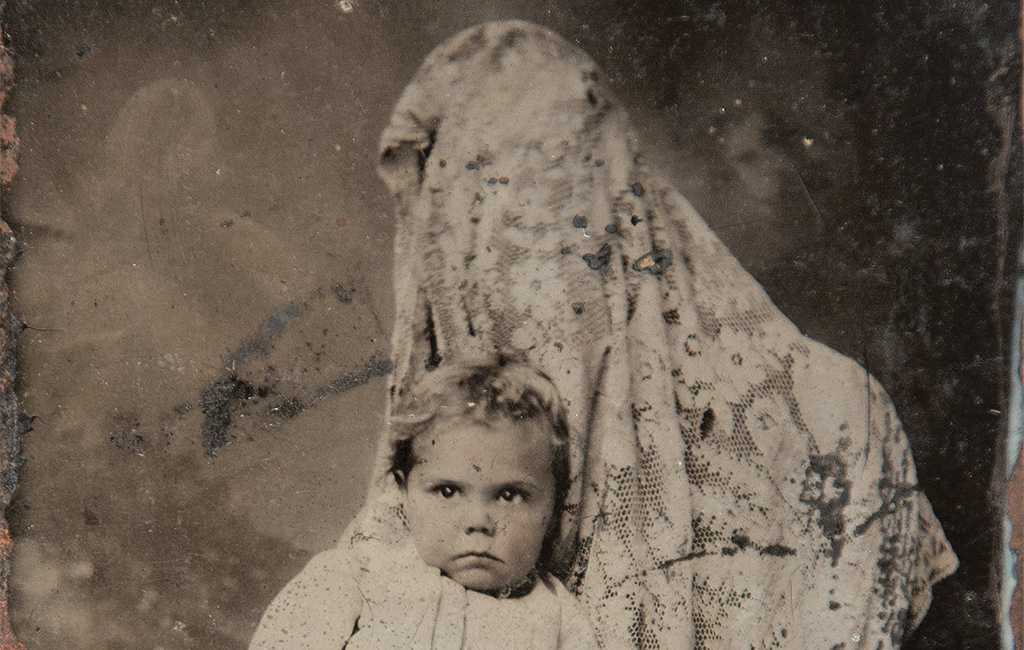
x=532, y=324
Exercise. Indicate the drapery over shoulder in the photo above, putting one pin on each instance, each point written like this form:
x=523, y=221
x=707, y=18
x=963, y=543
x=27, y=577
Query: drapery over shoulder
x=735, y=484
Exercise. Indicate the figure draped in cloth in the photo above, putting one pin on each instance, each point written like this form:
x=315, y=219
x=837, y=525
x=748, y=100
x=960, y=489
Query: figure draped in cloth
x=732, y=484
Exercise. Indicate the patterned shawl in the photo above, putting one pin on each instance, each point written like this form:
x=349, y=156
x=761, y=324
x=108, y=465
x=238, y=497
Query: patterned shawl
x=735, y=484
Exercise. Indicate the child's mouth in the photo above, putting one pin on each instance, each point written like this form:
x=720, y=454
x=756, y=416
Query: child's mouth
x=478, y=556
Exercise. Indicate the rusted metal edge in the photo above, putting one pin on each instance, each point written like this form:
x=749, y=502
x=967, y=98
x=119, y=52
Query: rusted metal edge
x=13, y=424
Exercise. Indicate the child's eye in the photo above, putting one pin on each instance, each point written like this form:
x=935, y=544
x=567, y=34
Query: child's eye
x=446, y=491
x=511, y=495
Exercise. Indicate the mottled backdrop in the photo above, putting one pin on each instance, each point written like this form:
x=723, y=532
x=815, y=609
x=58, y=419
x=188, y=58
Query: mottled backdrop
x=205, y=263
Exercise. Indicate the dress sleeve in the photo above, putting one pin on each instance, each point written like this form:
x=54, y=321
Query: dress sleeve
x=317, y=610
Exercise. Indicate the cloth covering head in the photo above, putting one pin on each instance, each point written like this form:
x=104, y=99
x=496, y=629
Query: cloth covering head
x=734, y=484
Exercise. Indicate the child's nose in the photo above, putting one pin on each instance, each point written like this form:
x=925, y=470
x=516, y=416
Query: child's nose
x=479, y=519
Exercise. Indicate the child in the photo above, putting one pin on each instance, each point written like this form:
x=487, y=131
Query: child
x=481, y=463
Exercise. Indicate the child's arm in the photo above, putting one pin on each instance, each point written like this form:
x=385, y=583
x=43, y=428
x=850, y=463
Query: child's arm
x=317, y=610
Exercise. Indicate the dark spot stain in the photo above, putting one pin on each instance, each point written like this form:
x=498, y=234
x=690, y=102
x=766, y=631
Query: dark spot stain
x=379, y=365
x=635, y=219
x=671, y=316
x=217, y=402
x=737, y=359
x=182, y=409
x=827, y=490
x=566, y=250
x=729, y=551
x=342, y=294
x=783, y=633
x=492, y=181
x=637, y=189
x=227, y=224
x=434, y=360
x=579, y=221
x=741, y=540
x=83, y=52
x=599, y=163
x=478, y=197
x=278, y=322
x=473, y=166
x=288, y=408
x=777, y=550
x=898, y=493
x=679, y=405
x=476, y=467
x=125, y=434
x=503, y=180
x=577, y=308
x=599, y=260
x=442, y=163
x=707, y=423
x=246, y=214
x=686, y=558
x=630, y=305
x=611, y=229
x=271, y=328
x=656, y=262
x=90, y=518
x=591, y=97
x=833, y=605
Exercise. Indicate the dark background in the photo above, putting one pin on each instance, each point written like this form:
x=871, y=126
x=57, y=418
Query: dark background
x=862, y=160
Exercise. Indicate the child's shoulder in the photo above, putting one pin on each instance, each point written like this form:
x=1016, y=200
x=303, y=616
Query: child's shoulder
x=324, y=596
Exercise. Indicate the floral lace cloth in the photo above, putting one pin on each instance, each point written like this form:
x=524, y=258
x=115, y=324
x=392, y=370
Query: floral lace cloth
x=736, y=485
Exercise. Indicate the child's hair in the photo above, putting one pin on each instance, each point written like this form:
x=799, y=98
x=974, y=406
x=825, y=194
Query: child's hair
x=502, y=388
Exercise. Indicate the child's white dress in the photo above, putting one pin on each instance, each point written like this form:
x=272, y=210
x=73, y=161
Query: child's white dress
x=392, y=600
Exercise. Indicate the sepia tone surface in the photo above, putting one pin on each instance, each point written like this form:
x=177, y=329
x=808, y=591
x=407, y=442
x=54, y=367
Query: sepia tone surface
x=205, y=266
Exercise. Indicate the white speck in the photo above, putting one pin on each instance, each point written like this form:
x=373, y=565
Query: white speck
x=808, y=142
x=855, y=638
x=721, y=110
x=737, y=102
x=217, y=172
x=337, y=147
x=345, y=5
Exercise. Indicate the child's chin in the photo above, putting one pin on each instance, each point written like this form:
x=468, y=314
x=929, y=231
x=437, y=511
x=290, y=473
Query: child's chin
x=479, y=580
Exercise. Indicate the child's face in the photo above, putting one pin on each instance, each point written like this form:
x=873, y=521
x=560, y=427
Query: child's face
x=480, y=498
